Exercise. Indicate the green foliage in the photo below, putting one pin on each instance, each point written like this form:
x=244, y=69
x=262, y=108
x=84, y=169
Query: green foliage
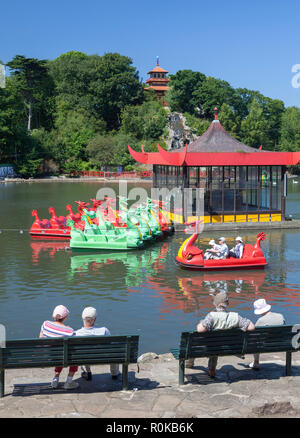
x=254, y=127
x=290, y=130
x=33, y=82
x=146, y=121
x=230, y=120
x=197, y=125
x=182, y=87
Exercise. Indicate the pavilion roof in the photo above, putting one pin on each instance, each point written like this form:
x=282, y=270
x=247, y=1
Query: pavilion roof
x=216, y=139
x=215, y=148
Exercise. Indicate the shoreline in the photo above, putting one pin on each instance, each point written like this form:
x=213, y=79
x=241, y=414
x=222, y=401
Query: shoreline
x=79, y=179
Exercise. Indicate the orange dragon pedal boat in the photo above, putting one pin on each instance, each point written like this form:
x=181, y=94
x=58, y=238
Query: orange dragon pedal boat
x=192, y=257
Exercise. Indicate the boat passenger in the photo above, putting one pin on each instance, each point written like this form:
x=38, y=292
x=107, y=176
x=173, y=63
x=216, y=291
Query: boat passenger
x=212, y=252
x=89, y=316
x=220, y=319
x=267, y=318
x=55, y=329
x=223, y=251
x=238, y=249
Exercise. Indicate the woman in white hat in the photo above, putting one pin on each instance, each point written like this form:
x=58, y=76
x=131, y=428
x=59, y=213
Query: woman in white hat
x=238, y=249
x=267, y=318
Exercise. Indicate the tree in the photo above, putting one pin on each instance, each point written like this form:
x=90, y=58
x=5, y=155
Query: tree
x=116, y=85
x=146, y=121
x=182, y=86
x=230, y=120
x=254, y=127
x=13, y=132
x=35, y=85
x=101, y=150
x=290, y=130
x=214, y=92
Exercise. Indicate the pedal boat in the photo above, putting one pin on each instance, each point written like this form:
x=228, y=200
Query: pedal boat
x=192, y=257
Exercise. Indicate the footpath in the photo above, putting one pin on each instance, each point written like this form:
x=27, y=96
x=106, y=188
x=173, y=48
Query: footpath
x=238, y=391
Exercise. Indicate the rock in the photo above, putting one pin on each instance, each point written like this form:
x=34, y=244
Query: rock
x=147, y=357
x=179, y=133
x=275, y=408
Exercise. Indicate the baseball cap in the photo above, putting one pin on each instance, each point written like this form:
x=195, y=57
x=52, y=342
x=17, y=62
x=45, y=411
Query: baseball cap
x=61, y=311
x=89, y=312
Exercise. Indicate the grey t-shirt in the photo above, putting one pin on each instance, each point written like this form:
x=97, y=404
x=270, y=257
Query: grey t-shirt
x=270, y=319
x=93, y=331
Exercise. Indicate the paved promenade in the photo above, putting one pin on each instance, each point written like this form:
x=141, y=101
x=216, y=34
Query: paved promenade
x=154, y=392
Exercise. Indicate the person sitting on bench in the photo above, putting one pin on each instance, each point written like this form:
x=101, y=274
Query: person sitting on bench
x=220, y=319
x=89, y=316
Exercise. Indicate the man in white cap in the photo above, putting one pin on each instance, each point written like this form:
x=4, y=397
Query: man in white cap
x=238, y=249
x=267, y=318
x=89, y=316
x=223, y=250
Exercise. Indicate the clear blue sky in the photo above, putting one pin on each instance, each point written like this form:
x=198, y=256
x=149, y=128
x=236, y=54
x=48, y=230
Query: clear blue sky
x=250, y=44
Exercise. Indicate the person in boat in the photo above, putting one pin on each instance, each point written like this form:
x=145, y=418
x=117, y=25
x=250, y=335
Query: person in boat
x=212, y=252
x=89, y=316
x=55, y=329
x=267, y=318
x=238, y=249
x=220, y=319
x=223, y=250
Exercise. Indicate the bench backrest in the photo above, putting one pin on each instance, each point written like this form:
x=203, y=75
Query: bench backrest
x=75, y=350
x=235, y=341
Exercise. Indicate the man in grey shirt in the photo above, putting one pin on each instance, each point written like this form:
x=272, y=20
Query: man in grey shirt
x=89, y=316
x=220, y=319
x=267, y=318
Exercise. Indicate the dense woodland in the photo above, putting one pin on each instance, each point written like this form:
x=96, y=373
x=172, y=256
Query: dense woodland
x=79, y=112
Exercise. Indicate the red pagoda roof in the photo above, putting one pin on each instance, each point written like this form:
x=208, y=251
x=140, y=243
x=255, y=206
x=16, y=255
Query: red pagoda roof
x=216, y=148
x=157, y=68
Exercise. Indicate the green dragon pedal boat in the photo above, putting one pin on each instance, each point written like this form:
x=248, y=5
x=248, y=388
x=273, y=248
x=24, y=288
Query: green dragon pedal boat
x=100, y=234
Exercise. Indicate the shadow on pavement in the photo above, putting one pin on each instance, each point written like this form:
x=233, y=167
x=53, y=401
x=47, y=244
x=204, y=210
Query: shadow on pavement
x=99, y=383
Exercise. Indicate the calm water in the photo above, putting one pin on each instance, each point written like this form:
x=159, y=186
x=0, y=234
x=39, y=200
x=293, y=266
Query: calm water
x=140, y=291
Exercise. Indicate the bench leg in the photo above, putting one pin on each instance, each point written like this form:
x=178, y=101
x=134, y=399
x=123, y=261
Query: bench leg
x=181, y=371
x=125, y=376
x=2, y=383
x=288, y=363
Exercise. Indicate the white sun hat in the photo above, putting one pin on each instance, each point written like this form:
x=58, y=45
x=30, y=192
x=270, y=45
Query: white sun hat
x=239, y=238
x=261, y=306
x=222, y=239
x=212, y=242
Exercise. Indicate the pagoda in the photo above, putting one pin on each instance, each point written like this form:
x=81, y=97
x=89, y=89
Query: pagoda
x=158, y=81
x=240, y=183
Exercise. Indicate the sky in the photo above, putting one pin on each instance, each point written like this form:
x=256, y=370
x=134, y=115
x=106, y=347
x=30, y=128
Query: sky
x=251, y=44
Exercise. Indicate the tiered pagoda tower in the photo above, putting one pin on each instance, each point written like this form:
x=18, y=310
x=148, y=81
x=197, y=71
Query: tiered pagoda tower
x=158, y=81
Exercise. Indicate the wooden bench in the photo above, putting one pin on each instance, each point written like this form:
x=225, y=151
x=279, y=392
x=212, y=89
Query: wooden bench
x=235, y=342
x=66, y=351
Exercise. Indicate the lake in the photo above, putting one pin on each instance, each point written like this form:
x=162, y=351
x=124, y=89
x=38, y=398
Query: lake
x=136, y=292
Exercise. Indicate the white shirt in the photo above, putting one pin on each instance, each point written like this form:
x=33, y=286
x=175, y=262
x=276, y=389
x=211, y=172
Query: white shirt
x=93, y=331
x=223, y=251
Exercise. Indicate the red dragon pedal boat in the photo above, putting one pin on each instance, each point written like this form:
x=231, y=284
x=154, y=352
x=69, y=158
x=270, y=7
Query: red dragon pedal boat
x=192, y=257
x=54, y=228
